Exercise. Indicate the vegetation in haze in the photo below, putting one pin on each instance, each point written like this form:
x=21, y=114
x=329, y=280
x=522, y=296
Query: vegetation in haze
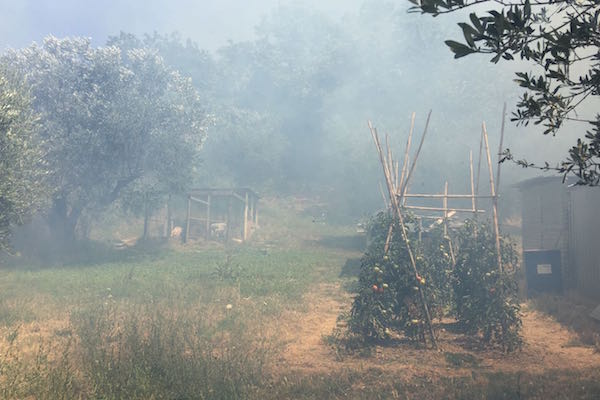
x=22, y=166
x=561, y=39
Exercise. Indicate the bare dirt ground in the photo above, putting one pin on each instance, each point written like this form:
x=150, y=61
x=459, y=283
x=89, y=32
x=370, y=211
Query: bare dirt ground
x=547, y=346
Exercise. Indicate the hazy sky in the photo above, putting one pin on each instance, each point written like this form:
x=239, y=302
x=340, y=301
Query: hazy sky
x=210, y=23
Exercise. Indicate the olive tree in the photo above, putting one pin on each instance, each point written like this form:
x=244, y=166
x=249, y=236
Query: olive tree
x=22, y=170
x=559, y=37
x=111, y=120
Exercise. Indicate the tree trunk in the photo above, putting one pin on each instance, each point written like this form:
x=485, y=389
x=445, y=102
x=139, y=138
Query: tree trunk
x=62, y=220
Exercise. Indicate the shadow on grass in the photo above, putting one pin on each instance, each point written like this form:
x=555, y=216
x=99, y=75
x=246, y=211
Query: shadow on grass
x=351, y=268
x=344, y=242
x=84, y=253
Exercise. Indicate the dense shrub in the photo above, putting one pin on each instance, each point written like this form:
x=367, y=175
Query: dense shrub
x=388, y=300
x=483, y=299
x=486, y=299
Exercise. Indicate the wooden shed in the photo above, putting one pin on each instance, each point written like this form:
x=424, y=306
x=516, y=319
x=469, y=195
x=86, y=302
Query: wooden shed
x=556, y=216
x=225, y=214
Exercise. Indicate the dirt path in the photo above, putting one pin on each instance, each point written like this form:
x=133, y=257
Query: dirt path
x=548, y=346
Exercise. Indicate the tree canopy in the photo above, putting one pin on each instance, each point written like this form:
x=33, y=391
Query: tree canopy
x=561, y=38
x=111, y=120
x=22, y=169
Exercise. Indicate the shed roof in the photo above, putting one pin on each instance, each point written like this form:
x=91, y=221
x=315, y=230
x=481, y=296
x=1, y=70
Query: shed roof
x=224, y=192
x=559, y=181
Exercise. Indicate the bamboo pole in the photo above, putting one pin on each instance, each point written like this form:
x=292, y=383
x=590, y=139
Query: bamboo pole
x=495, y=200
x=442, y=209
x=396, y=175
x=473, y=205
x=385, y=202
x=500, y=150
x=407, y=150
x=404, y=188
x=479, y=167
x=445, y=209
x=414, y=163
x=450, y=196
x=398, y=212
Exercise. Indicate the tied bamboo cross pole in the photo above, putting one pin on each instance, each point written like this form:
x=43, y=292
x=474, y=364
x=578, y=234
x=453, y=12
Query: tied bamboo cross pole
x=394, y=201
x=494, y=197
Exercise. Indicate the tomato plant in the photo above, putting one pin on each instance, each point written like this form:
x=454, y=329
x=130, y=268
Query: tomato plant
x=388, y=300
x=486, y=300
x=483, y=299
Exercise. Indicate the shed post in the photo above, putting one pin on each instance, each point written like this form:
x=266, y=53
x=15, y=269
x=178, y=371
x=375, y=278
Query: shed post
x=245, y=217
x=208, y=217
x=146, y=217
x=446, y=209
x=228, y=221
x=187, y=219
x=169, y=218
x=255, y=216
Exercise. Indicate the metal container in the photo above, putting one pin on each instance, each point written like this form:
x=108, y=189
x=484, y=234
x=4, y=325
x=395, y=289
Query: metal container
x=543, y=271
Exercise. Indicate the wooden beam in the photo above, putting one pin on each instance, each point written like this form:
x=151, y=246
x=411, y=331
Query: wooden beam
x=237, y=196
x=198, y=200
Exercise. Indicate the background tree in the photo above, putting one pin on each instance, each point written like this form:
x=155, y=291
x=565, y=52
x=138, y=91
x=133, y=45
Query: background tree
x=561, y=38
x=22, y=170
x=110, y=119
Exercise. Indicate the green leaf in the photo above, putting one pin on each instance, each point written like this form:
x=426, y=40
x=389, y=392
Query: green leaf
x=459, y=49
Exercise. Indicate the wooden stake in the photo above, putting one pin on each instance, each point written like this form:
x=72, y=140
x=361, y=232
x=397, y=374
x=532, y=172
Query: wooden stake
x=208, y=217
x=407, y=150
x=445, y=209
x=479, y=167
x=473, y=205
x=245, y=228
x=398, y=212
x=414, y=163
x=385, y=202
x=405, y=188
x=187, y=220
x=229, y=219
x=500, y=150
x=494, y=197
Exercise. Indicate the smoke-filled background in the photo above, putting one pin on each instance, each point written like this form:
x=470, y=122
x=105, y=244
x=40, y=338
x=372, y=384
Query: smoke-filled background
x=290, y=85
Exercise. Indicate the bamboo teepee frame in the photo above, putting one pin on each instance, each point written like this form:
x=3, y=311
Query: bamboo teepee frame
x=397, y=182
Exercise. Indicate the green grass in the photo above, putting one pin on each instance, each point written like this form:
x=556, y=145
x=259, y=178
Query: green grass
x=200, y=322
